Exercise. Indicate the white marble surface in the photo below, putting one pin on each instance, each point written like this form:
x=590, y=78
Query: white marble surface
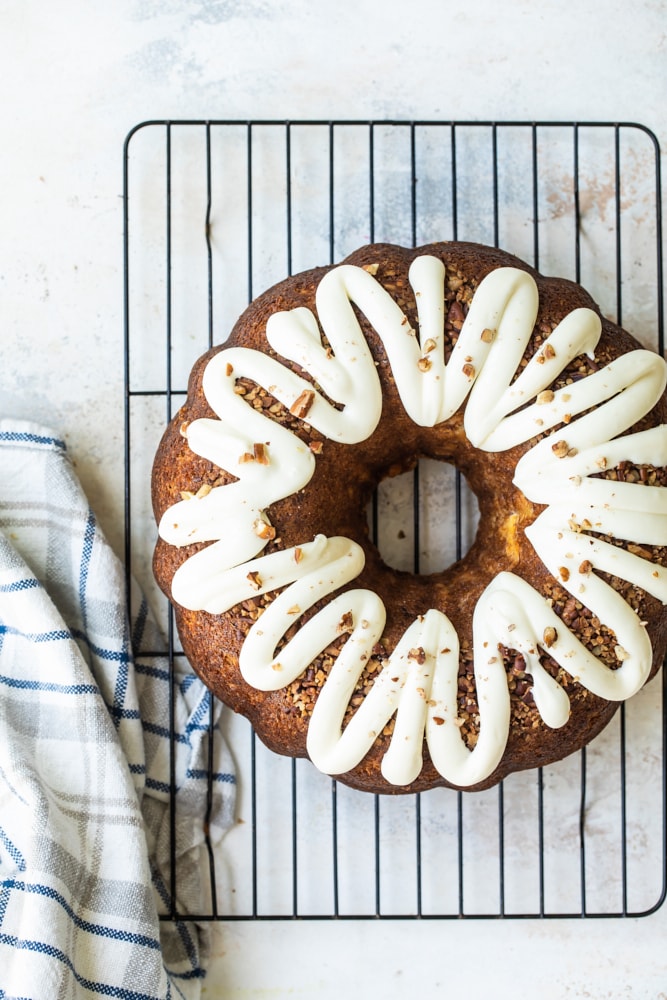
x=76, y=77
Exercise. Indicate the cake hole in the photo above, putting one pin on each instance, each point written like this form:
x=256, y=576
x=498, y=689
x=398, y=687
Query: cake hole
x=423, y=520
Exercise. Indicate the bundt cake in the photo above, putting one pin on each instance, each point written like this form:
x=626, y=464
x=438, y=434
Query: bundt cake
x=513, y=657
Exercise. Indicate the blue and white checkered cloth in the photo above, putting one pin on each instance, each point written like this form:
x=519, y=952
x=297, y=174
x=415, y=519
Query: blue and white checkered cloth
x=85, y=757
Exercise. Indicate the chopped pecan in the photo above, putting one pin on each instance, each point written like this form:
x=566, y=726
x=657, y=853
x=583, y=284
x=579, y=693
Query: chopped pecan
x=302, y=404
x=550, y=635
x=346, y=624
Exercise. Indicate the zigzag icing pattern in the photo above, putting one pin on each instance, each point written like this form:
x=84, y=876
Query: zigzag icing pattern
x=418, y=683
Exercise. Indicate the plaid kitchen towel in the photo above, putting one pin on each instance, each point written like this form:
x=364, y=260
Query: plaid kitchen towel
x=85, y=766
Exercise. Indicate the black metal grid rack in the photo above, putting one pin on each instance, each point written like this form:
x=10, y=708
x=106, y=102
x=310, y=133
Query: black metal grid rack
x=215, y=211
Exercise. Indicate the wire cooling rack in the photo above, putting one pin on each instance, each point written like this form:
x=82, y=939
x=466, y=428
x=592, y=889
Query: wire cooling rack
x=217, y=211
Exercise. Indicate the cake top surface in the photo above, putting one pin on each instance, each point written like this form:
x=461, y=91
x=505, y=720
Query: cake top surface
x=578, y=431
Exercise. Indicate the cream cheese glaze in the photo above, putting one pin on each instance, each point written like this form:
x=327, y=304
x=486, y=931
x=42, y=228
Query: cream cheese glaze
x=418, y=682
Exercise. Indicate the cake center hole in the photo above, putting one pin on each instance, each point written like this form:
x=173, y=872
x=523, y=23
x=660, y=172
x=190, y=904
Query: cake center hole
x=424, y=520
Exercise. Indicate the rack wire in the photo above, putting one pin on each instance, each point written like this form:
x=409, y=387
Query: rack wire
x=216, y=211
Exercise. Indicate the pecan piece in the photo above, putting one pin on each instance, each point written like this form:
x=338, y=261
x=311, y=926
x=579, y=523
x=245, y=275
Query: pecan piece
x=302, y=404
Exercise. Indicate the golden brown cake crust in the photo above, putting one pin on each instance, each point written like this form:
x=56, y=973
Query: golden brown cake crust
x=334, y=503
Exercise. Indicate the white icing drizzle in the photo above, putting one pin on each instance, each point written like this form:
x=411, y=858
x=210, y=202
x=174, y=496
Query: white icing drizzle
x=419, y=679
